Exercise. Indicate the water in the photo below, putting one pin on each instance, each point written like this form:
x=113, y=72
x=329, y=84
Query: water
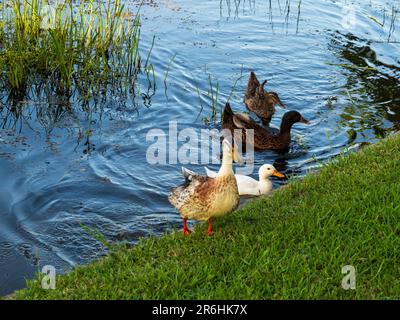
x=342, y=74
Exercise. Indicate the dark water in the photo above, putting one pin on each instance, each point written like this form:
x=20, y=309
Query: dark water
x=343, y=75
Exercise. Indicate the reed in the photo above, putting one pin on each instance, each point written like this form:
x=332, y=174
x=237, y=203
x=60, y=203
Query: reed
x=213, y=95
x=68, y=47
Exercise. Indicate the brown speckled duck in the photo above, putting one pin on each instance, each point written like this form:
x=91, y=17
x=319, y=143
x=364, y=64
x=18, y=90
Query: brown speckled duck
x=264, y=138
x=260, y=102
x=202, y=197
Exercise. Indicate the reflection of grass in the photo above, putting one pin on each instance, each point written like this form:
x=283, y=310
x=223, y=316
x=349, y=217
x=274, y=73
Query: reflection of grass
x=351, y=66
x=246, y=7
x=291, y=245
x=371, y=89
x=84, y=47
x=392, y=25
x=298, y=16
x=393, y=17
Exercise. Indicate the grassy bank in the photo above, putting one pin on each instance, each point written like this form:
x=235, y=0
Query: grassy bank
x=292, y=245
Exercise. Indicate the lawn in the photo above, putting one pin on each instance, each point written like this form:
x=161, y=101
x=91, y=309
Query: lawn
x=292, y=245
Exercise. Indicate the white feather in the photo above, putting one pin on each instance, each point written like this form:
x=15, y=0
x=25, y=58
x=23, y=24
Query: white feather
x=249, y=186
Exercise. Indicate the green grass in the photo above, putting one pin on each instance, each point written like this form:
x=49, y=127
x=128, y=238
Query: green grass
x=291, y=245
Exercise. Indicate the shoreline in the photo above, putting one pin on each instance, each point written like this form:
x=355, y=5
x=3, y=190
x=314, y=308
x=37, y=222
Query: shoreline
x=291, y=245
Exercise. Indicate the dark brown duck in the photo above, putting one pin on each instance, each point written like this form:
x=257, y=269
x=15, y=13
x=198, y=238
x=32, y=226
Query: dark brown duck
x=264, y=138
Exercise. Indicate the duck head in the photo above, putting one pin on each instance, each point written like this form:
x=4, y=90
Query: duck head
x=290, y=118
x=273, y=99
x=268, y=170
x=267, y=102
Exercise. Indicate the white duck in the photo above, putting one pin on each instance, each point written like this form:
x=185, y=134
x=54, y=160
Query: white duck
x=250, y=186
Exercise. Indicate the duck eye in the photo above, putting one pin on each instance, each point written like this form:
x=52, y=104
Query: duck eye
x=269, y=168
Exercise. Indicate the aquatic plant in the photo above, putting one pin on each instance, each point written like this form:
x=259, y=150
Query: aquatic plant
x=72, y=49
x=212, y=94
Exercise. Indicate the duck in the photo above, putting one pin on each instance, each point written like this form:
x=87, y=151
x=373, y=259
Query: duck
x=247, y=186
x=204, y=198
x=264, y=138
x=259, y=101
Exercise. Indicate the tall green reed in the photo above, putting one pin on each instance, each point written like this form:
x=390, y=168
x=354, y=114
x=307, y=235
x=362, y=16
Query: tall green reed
x=83, y=48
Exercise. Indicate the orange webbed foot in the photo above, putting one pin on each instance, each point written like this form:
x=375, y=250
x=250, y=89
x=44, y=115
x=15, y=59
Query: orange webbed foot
x=186, y=230
x=209, y=229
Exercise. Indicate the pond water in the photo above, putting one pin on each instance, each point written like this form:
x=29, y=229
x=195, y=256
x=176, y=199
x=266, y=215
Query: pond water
x=337, y=62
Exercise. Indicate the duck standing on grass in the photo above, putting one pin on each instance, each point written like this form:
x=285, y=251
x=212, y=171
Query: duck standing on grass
x=248, y=186
x=204, y=198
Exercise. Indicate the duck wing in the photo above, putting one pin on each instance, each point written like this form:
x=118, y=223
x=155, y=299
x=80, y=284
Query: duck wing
x=193, y=179
x=189, y=174
x=264, y=137
x=243, y=121
x=247, y=185
x=193, y=182
x=273, y=131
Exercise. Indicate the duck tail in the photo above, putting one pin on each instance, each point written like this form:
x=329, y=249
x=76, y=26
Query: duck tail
x=252, y=84
x=174, y=196
x=253, y=76
x=227, y=114
x=228, y=109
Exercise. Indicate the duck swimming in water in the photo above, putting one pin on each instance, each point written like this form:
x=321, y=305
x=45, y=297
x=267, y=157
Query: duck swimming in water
x=249, y=186
x=204, y=198
x=264, y=138
x=259, y=101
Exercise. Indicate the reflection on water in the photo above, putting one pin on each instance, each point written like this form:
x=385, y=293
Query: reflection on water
x=280, y=13
x=236, y=7
x=64, y=162
x=372, y=88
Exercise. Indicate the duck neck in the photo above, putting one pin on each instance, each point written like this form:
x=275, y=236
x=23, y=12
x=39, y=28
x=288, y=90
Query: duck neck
x=226, y=167
x=265, y=184
x=286, y=126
